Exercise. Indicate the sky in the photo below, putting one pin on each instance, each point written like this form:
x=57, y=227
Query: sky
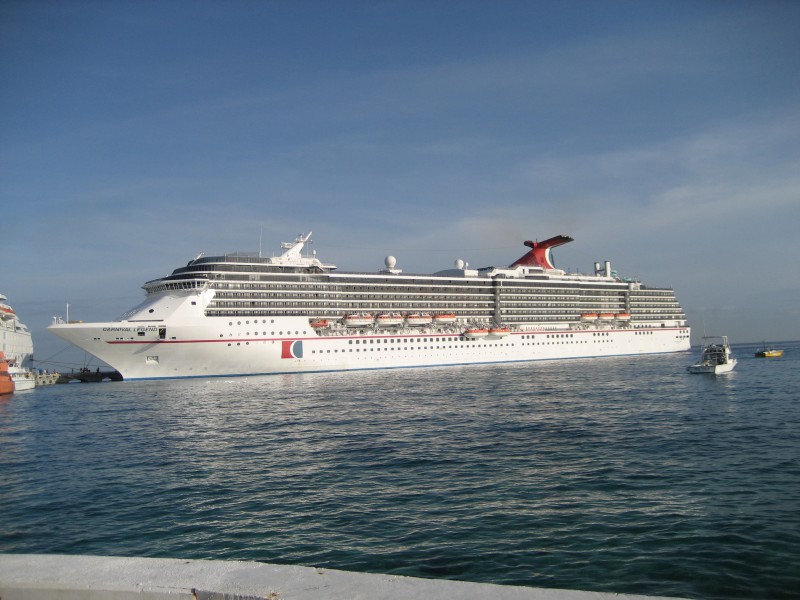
x=662, y=136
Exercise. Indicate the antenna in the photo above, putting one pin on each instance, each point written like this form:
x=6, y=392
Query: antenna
x=260, y=236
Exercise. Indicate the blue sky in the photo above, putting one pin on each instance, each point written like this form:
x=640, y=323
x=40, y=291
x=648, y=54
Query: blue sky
x=663, y=136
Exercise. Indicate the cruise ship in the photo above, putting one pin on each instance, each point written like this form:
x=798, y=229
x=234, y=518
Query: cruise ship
x=244, y=314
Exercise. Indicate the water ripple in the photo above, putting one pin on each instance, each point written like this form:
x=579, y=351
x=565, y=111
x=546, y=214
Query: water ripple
x=622, y=475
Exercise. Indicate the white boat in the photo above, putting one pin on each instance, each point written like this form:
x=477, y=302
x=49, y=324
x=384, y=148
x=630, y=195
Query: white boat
x=17, y=345
x=246, y=314
x=24, y=379
x=715, y=358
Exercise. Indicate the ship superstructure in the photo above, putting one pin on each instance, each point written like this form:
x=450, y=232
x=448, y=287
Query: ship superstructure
x=15, y=337
x=17, y=345
x=242, y=314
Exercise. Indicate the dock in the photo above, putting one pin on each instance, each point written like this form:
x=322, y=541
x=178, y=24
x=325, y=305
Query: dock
x=46, y=378
x=88, y=376
x=63, y=577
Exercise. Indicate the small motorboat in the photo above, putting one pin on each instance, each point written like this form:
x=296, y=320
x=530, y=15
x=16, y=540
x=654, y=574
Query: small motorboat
x=24, y=379
x=716, y=357
x=769, y=352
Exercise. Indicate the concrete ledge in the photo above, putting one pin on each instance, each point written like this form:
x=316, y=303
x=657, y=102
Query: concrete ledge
x=62, y=577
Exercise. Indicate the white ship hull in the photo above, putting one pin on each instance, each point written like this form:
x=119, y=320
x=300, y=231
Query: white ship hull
x=290, y=345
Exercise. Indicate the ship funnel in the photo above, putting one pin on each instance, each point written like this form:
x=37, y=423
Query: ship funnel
x=608, y=268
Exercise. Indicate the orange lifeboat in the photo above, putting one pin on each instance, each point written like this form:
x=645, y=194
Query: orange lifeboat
x=499, y=332
x=606, y=316
x=319, y=323
x=476, y=332
x=623, y=316
x=390, y=319
x=358, y=320
x=444, y=318
x=589, y=317
x=6, y=382
x=418, y=319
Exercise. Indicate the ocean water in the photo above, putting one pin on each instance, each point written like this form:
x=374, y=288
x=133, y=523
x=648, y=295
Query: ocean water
x=620, y=475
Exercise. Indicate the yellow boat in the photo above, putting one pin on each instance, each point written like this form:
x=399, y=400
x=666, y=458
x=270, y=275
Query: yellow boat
x=769, y=353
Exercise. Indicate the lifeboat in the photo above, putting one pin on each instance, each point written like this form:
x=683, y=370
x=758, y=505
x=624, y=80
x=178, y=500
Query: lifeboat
x=319, y=323
x=499, y=332
x=623, y=316
x=606, y=316
x=444, y=318
x=589, y=317
x=6, y=382
x=390, y=319
x=476, y=332
x=418, y=319
x=358, y=320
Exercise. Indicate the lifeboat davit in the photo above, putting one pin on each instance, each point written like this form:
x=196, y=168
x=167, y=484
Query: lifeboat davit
x=390, y=319
x=358, y=320
x=418, y=319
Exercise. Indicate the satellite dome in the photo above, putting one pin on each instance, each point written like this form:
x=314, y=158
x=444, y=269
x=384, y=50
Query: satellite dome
x=390, y=262
x=459, y=264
